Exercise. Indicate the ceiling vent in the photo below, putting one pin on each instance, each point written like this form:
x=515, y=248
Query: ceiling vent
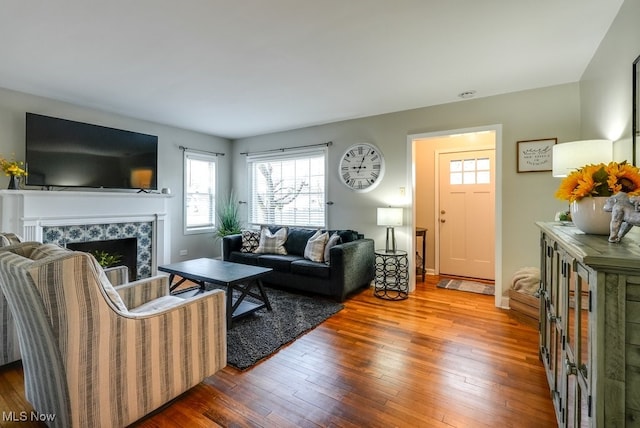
x=467, y=94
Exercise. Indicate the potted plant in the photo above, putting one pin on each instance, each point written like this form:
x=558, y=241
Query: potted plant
x=105, y=259
x=14, y=170
x=228, y=217
x=587, y=188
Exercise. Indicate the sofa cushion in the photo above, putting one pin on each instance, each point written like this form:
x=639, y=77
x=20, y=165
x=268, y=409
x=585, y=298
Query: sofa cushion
x=314, y=250
x=246, y=258
x=277, y=262
x=297, y=240
x=309, y=268
x=332, y=242
x=272, y=243
x=250, y=241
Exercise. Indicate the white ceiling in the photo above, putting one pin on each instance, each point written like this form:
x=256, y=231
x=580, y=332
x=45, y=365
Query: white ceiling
x=237, y=68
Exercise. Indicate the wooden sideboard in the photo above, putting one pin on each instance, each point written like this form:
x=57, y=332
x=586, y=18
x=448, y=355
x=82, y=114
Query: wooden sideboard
x=590, y=326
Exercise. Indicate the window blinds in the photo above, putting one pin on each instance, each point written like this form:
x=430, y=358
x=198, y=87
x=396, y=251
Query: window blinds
x=288, y=188
x=200, y=190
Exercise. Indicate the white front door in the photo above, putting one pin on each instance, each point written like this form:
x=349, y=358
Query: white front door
x=466, y=216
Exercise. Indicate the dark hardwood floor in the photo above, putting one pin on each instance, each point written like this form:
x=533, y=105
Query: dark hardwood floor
x=442, y=358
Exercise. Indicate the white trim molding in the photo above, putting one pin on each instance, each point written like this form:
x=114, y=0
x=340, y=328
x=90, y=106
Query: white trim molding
x=27, y=212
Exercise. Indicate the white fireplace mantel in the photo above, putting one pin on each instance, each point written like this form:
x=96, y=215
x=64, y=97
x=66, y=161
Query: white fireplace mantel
x=26, y=212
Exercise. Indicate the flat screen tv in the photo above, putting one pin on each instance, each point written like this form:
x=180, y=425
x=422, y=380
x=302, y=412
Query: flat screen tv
x=65, y=153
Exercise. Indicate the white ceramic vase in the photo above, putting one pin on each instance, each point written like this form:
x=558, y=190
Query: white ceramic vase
x=588, y=216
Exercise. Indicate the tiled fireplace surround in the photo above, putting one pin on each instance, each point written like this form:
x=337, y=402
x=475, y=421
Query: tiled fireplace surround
x=79, y=216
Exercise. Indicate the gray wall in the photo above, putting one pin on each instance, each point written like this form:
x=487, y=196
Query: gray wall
x=606, y=85
x=527, y=197
x=13, y=106
x=599, y=106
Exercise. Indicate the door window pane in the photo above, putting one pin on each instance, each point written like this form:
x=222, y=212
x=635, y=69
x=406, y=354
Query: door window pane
x=470, y=171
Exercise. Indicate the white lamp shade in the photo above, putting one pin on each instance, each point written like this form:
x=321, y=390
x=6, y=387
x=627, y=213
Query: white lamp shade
x=389, y=216
x=568, y=157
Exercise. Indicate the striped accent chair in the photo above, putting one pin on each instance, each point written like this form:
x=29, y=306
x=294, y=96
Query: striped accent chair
x=95, y=355
x=9, y=347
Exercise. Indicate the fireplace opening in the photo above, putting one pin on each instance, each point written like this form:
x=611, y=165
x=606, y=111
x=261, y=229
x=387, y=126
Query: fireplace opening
x=124, y=249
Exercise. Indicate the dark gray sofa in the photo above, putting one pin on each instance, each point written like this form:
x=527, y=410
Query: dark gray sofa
x=351, y=263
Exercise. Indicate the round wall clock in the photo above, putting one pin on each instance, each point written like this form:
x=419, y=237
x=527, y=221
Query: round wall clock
x=361, y=167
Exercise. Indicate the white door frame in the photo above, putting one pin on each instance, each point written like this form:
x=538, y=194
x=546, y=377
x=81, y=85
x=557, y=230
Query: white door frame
x=500, y=301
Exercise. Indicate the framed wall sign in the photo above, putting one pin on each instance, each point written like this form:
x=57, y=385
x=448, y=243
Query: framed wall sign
x=635, y=136
x=535, y=155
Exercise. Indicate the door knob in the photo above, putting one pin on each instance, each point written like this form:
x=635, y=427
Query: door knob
x=443, y=212
x=443, y=220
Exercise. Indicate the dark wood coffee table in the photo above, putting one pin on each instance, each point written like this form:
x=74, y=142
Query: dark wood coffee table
x=233, y=276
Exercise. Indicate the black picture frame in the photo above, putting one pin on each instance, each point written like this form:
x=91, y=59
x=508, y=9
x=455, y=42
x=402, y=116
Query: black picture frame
x=635, y=109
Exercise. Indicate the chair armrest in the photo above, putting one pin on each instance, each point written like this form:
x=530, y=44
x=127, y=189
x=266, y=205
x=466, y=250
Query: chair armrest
x=169, y=350
x=117, y=275
x=7, y=238
x=218, y=296
x=136, y=293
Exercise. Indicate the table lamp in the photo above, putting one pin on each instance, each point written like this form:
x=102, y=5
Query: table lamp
x=569, y=157
x=390, y=217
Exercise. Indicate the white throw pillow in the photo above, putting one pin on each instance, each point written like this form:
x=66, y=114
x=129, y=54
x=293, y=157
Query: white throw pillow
x=314, y=250
x=332, y=242
x=272, y=243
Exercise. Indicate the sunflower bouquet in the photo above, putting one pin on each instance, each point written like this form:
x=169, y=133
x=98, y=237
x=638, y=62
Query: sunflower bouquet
x=12, y=167
x=600, y=180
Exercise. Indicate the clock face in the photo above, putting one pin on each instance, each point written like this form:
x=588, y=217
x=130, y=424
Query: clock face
x=361, y=167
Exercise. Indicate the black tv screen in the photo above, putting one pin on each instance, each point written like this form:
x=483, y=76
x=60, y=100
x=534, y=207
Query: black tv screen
x=65, y=153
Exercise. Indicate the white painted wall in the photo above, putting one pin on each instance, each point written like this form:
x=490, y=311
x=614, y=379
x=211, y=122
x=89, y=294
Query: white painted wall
x=13, y=106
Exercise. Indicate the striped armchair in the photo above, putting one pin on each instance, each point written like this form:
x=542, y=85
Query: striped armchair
x=97, y=355
x=9, y=347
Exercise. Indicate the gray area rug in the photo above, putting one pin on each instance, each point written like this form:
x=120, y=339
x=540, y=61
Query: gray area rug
x=463, y=285
x=258, y=335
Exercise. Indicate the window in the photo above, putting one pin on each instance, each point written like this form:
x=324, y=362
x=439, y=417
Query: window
x=199, y=192
x=288, y=188
x=470, y=171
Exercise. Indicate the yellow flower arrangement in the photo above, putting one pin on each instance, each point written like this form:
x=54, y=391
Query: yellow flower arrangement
x=600, y=180
x=12, y=167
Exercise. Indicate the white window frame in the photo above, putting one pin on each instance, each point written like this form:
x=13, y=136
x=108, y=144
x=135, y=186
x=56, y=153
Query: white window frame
x=288, y=154
x=187, y=156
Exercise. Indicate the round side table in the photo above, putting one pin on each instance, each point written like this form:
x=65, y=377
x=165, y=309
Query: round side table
x=392, y=275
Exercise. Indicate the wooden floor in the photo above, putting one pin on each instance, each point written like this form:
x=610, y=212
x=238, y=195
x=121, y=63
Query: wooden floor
x=442, y=358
